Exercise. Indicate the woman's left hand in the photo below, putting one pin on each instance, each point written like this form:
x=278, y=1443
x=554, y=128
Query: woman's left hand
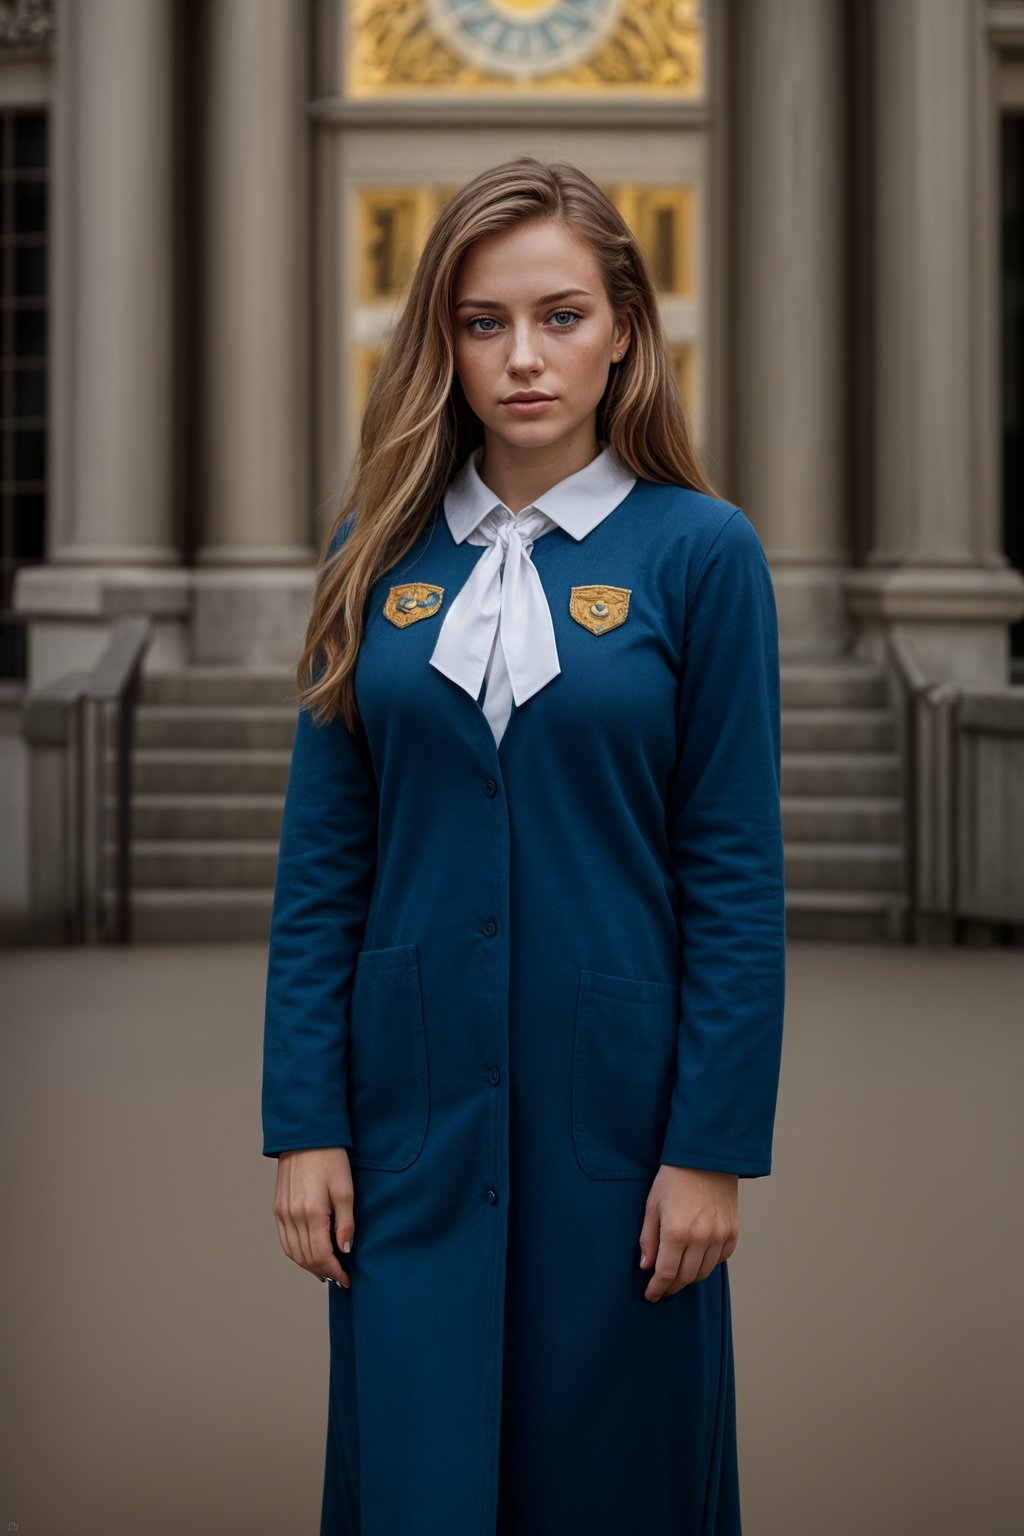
x=691, y=1223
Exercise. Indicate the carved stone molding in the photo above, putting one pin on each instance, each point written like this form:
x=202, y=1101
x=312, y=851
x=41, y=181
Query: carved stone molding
x=28, y=28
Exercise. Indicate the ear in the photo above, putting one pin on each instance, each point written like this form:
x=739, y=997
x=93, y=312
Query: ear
x=622, y=336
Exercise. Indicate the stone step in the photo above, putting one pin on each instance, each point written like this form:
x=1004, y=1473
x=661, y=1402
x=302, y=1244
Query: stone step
x=163, y=771
x=222, y=916
x=171, y=864
x=221, y=685
x=200, y=863
x=223, y=727
x=869, y=917
x=840, y=773
x=838, y=730
x=243, y=726
x=832, y=684
x=212, y=753
x=254, y=816
x=844, y=866
x=185, y=771
x=196, y=917
x=199, y=815
x=842, y=818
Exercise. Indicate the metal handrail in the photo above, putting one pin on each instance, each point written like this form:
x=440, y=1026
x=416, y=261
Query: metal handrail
x=72, y=711
x=914, y=684
x=930, y=792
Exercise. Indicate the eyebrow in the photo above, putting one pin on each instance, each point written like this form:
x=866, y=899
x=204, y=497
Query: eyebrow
x=548, y=298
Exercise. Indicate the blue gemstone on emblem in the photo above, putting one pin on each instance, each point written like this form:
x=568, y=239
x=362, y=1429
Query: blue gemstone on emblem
x=409, y=602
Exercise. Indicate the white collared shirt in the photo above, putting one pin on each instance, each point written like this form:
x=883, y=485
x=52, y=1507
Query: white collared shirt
x=504, y=598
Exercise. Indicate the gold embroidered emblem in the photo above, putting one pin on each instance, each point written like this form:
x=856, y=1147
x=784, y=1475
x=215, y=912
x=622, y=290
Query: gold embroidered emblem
x=412, y=601
x=599, y=608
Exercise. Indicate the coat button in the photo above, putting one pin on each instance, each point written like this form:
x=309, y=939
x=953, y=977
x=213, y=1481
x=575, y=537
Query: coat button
x=490, y=926
x=495, y=1075
x=492, y=1195
x=490, y=786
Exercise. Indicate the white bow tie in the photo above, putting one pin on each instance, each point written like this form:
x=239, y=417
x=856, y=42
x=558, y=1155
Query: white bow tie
x=513, y=603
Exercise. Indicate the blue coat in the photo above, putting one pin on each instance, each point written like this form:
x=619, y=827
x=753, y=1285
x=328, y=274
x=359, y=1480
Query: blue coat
x=513, y=980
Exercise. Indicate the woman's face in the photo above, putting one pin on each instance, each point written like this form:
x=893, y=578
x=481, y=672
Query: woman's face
x=531, y=314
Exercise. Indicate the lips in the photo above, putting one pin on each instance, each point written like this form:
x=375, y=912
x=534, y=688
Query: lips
x=527, y=407
x=525, y=399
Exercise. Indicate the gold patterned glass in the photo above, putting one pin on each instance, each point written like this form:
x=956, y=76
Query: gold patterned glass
x=576, y=48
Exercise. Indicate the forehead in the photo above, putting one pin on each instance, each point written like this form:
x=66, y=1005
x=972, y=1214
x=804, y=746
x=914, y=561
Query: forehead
x=534, y=258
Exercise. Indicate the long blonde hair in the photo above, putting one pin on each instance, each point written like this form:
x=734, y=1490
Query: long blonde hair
x=417, y=427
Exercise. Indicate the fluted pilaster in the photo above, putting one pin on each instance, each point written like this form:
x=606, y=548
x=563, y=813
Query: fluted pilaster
x=791, y=368
x=934, y=571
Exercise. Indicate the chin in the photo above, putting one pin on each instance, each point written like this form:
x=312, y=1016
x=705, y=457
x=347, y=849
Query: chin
x=530, y=434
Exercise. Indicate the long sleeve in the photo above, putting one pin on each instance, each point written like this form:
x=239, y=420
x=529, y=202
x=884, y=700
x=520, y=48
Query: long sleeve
x=325, y=869
x=725, y=826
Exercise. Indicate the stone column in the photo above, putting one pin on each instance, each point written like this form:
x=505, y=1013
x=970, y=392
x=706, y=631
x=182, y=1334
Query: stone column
x=791, y=367
x=934, y=571
x=255, y=558
x=113, y=546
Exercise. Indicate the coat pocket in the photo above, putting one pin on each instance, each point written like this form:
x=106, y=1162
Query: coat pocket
x=624, y=1062
x=389, y=1098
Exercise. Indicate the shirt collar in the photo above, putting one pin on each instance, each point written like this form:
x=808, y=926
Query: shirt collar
x=577, y=503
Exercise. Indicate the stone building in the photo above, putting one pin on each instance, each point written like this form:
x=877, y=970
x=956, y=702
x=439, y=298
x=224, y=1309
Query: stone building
x=208, y=211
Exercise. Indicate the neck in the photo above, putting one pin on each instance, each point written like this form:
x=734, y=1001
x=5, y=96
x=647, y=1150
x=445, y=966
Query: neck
x=520, y=475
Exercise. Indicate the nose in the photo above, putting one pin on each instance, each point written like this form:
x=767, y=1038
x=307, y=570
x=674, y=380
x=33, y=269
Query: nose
x=523, y=352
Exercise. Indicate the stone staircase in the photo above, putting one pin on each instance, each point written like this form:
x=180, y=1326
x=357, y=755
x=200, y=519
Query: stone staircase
x=212, y=746
x=842, y=812
x=210, y=766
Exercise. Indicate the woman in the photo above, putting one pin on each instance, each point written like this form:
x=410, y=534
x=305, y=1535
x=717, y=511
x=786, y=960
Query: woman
x=527, y=951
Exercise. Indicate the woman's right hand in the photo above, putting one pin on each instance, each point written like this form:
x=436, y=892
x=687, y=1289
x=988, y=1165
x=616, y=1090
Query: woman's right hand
x=311, y=1185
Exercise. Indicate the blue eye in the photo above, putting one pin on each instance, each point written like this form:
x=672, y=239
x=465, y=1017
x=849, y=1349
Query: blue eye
x=574, y=316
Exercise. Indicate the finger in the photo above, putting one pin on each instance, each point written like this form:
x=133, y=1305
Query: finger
x=649, y=1237
x=291, y=1242
x=693, y=1258
x=712, y=1259
x=344, y=1226
x=282, y=1232
x=691, y=1271
x=283, y=1215
x=296, y=1220
x=666, y=1266
x=341, y=1194
x=324, y=1253
x=308, y=1226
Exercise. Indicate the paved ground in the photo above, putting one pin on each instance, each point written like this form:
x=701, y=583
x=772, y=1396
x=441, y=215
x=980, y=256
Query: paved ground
x=165, y=1365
